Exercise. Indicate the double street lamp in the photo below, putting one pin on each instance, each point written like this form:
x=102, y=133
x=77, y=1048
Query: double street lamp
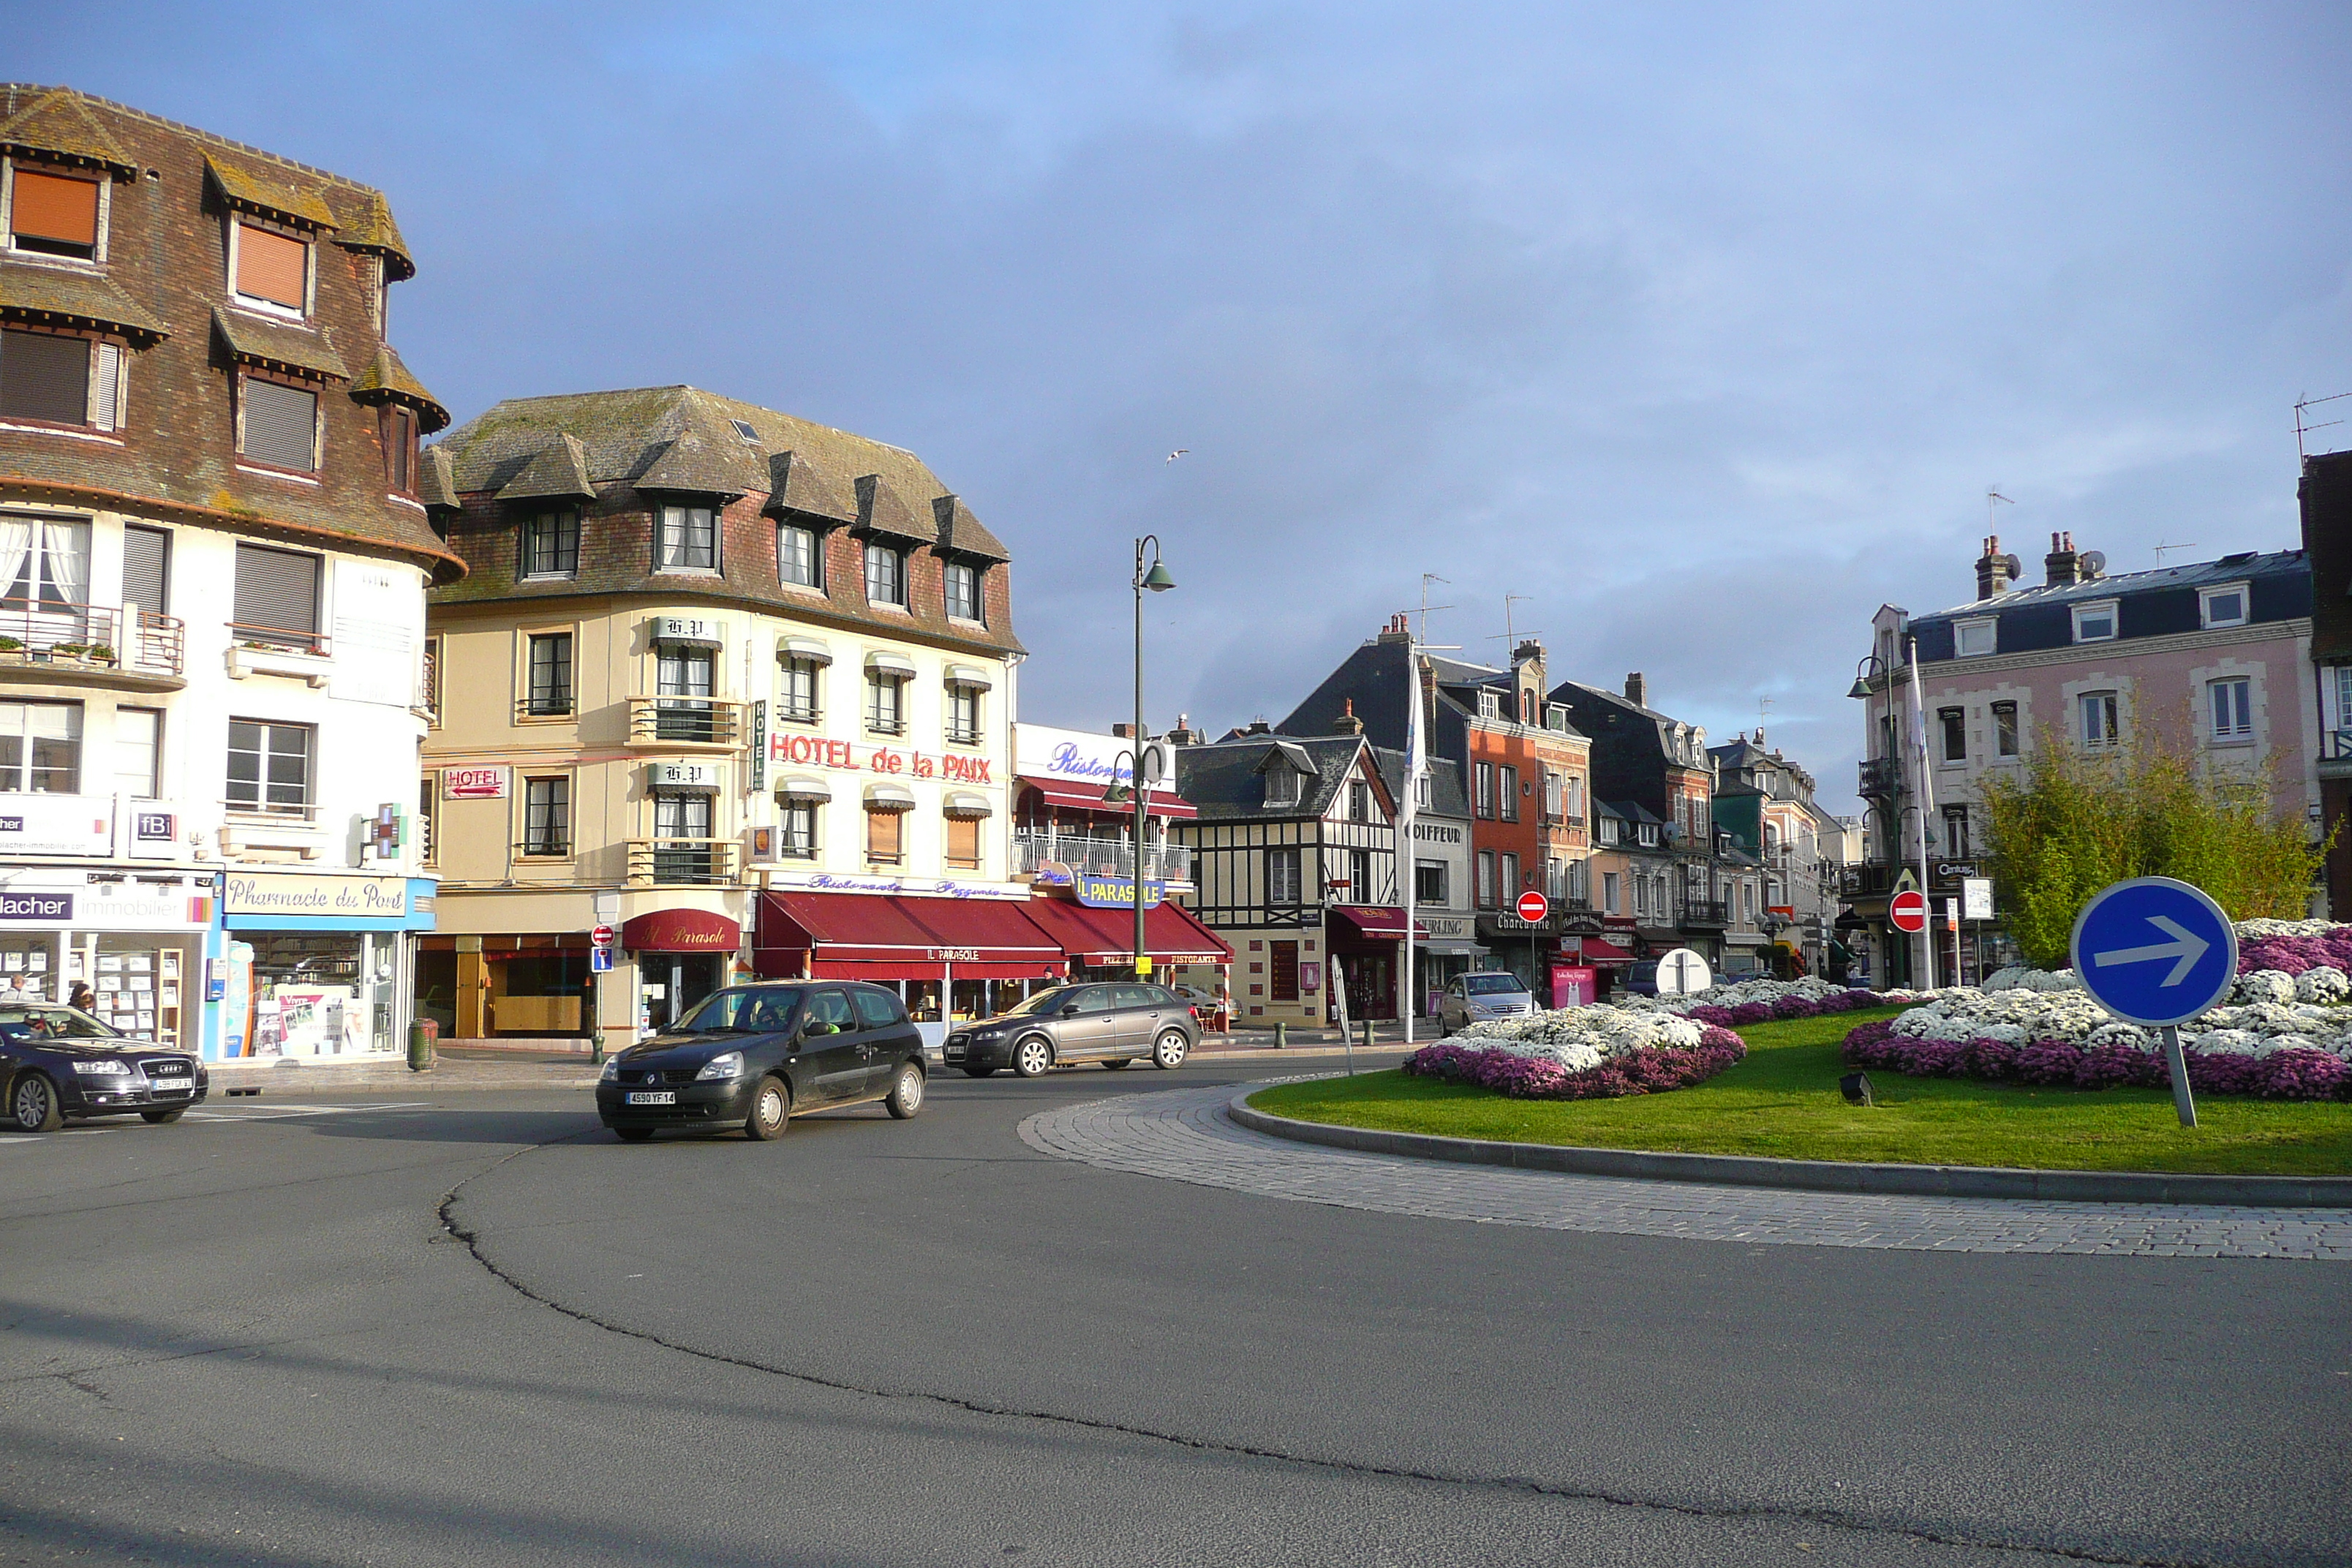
x=1156, y=578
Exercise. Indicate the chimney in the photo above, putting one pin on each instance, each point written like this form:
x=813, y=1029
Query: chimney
x=1637, y=690
x=1993, y=570
x=2062, y=567
x=1258, y=727
x=1398, y=630
x=1347, y=723
x=1123, y=731
x=1184, y=734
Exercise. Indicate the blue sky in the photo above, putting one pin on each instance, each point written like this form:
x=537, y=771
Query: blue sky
x=1703, y=327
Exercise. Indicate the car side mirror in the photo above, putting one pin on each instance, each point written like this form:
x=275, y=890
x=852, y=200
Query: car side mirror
x=1069, y=1010
x=820, y=1027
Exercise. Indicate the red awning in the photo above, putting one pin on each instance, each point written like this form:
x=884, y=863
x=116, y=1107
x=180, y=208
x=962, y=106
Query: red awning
x=1380, y=924
x=901, y=937
x=681, y=930
x=1599, y=951
x=1072, y=797
x=1172, y=933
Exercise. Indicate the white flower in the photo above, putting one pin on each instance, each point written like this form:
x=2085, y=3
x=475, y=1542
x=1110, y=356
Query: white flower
x=2322, y=985
x=2118, y=1033
x=1581, y=1037
x=2265, y=986
x=2222, y=1043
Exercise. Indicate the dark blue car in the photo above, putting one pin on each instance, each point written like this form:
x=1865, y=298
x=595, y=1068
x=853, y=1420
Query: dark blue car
x=57, y=1062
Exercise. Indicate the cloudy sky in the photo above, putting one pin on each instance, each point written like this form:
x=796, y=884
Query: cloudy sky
x=1704, y=329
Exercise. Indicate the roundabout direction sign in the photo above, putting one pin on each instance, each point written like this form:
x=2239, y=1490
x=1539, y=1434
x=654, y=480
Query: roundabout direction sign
x=2156, y=953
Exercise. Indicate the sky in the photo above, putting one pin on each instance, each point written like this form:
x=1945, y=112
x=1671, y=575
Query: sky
x=1705, y=330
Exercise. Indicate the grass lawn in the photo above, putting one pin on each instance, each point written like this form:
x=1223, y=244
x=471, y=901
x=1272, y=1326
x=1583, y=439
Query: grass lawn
x=1783, y=1101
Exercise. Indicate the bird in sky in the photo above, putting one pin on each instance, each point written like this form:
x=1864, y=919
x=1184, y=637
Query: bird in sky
x=1179, y=452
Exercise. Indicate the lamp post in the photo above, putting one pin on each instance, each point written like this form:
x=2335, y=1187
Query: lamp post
x=1156, y=578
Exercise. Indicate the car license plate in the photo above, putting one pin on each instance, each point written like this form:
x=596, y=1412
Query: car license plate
x=653, y=1097
x=167, y=1086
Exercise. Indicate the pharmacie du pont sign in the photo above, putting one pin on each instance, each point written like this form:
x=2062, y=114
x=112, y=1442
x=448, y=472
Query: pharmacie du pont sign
x=2155, y=952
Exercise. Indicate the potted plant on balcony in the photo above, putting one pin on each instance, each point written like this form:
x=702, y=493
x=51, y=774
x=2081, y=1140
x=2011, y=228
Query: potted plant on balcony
x=98, y=653
x=13, y=649
x=69, y=652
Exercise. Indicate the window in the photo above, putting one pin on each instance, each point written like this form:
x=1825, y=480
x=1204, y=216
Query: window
x=799, y=560
x=48, y=564
x=885, y=703
x=146, y=568
x=685, y=680
x=1490, y=704
x=796, y=830
x=1281, y=785
x=138, y=751
x=399, y=431
x=1360, y=800
x=1486, y=878
x=550, y=675
x=963, y=843
x=2004, y=728
x=1282, y=877
x=876, y=1009
x=1420, y=791
x=278, y=424
x=1974, y=639
x=1526, y=707
x=47, y=376
x=1610, y=830
x=1954, y=722
x=55, y=215
x=1507, y=883
x=1282, y=971
x=428, y=797
x=277, y=596
x=1575, y=798
x=2231, y=702
x=1956, y=832
x=550, y=545
x=1556, y=716
x=2098, y=711
x=40, y=748
x=964, y=591
x=1506, y=786
x=886, y=575
x=2223, y=606
x=1555, y=802
x=2095, y=623
x=269, y=766
x=1609, y=893
x=686, y=540
x=797, y=691
x=1641, y=896
x=682, y=820
x=1483, y=783
x=1428, y=881
x=1359, y=876
x=886, y=838
x=273, y=270
x=1648, y=834
x=547, y=816
x=963, y=715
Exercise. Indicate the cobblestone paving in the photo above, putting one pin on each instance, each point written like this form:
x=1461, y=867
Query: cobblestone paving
x=1185, y=1135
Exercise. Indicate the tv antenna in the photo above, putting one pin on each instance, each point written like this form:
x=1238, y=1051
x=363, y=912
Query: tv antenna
x=1426, y=579
x=1993, y=494
x=2304, y=427
x=2162, y=548
x=1510, y=633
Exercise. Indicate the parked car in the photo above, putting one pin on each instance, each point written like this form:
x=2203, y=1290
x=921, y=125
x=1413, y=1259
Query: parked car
x=1642, y=979
x=57, y=1062
x=1480, y=995
x=1112, y=1023
x=755, y=1056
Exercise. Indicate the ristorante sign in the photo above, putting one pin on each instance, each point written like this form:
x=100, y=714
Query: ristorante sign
x=887, y=761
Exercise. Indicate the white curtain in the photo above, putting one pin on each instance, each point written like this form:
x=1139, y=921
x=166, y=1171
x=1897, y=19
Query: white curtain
x=15, y=544
x=65, y=546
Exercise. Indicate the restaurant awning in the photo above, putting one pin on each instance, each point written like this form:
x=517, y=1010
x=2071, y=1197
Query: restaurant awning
x=1097, y=936
x=1378, y=922
x=867, y=936
x=1071, y=797
x=1602, y=953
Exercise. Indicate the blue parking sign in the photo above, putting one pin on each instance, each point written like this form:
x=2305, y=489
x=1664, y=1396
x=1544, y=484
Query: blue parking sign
x=600, y=961
x=2155, y=952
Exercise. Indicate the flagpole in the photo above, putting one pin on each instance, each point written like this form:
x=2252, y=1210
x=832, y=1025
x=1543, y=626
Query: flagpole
x=1926, y=802
x=1416, y=764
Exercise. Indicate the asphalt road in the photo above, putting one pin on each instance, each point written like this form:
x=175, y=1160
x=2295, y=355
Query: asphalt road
x=480, y=1330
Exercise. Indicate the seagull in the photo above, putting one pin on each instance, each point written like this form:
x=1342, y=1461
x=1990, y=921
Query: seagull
x=1179, y=452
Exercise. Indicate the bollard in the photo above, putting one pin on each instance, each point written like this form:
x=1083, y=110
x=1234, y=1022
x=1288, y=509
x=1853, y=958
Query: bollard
x=1368, y=1034
x=421, y=1033
x=1281, y=1036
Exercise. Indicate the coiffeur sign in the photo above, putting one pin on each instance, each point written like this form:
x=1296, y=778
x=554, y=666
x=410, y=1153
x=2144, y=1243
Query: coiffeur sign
x=847, y=756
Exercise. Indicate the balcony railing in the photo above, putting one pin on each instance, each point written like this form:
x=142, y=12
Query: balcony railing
x=1882, y=777
x=281, y=640
x=1100, y=856
x=2335, y=745
x=684, y=721
x=681, y=862
x=90, y=636
x=1704, y=914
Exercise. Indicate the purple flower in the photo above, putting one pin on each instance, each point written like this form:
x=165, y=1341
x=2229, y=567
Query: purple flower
x=1653, y=1070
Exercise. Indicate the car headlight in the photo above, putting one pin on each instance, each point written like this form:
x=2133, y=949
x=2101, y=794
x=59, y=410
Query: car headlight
x=103, y=1069
x=612, y=1073
x=727, y=1064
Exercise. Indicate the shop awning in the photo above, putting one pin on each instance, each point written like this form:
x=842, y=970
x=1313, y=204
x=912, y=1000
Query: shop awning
x=1097, y=936
x=681, y=930
x=867, y=936
x=1603, y=952
x=1378, y=922
x=1072, y=797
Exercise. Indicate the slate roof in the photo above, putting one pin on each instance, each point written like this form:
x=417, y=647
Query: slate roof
x=962, y=533
x=385, y=379
x=280, y=345
x=1224, y=780
x=270, y=193
x=557, y=471
x=52, y=294
x=1446, y=797
x=2159, y=603
x=795, y=483
x=368, y=225
x=57, y=123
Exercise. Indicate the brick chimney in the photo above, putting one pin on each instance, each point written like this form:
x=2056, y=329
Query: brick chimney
x=1347, y=723
x=1994, y=571
x=1184, y=734
x=2062, y=567
x=1123, y=731
x=1637, y=690
x=1398, y=630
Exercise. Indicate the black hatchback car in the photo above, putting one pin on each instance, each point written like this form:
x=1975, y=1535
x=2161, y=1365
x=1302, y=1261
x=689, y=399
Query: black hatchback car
x=57, y=1062
x=755, y=1056
x=1107, y=1021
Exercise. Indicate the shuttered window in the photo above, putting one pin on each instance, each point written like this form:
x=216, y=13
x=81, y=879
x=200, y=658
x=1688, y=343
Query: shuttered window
x=271, y=267
x=105, y=385
x=146, y=568
x=55, y=213
x=281, y=424
x=399, y=448
x=44, y=378
x=277, y=594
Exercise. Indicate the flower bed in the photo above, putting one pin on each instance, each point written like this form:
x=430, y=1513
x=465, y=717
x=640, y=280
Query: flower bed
x=1764, y=1001
x=2288, y=1073
x=1582, y=1053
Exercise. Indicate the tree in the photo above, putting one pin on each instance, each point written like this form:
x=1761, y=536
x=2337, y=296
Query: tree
x=2076, y=821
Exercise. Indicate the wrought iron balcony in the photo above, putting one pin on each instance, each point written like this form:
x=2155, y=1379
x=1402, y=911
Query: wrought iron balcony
x=91, y=642
x=1704, y=914
x=681, y=862
x=1100, y=856
x=1882, y=778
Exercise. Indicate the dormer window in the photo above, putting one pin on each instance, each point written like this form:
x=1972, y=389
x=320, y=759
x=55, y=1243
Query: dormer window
x=2223, y=606
x=686, y=540
x=55, y=213
x=399, y=448
x=1649, y=834
x=1281, y=787
x=962, y=592
x=1974, y=639
x=2095, y=623
x=270, y=271
x=1490, y=705
x=800, y=556
x=60, y=380
x=550, y=545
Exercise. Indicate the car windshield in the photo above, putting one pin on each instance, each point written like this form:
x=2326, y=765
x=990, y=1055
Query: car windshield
x=1643, y=971
x=742, y=1010
x=24, y=1021
x=1041, y=1002
x=1491, y=985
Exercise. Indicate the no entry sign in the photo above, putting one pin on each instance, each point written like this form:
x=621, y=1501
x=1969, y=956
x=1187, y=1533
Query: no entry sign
x=1533, y=907
x=1908, y=912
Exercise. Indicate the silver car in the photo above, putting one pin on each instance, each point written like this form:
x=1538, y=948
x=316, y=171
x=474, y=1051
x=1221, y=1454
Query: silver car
x=1112, y=1023
x=1472, y=997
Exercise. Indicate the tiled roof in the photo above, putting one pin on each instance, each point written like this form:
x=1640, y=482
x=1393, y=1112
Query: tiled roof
x=33, y=292
x=270, y=193
x=795, y=483
x=881, y=509
x=436, y=485
x=368, y=225
x=694, y=464
x=385, y=378
x=962, y=533
x=1446, y=796
x=558, y=470
x=280, y=345
x=57, y=123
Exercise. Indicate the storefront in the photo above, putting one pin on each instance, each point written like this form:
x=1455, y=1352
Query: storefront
x=1451, y=949
x=1525, y=948
x=137, y=940
x=1368, y=941
x=318, y=964
x=951, y=959
x=682, y=956
x=1587, y=947
x=1098, y=942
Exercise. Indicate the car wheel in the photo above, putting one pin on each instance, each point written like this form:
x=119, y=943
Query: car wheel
x=905, y=1095
x=1032, y=1057
x=771, y=1110
x=632, y=1134
x=1170, y=1050
x=1112, y=1064
x=978, y=1072
x=32, y=1107
x=161, y=1117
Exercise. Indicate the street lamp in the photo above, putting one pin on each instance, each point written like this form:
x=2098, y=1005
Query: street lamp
x=1156, y=578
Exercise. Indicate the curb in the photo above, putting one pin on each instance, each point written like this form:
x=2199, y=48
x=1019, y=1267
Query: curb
x=1814, y=1176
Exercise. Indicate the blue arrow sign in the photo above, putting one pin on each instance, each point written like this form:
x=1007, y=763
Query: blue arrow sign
x=2155, y=952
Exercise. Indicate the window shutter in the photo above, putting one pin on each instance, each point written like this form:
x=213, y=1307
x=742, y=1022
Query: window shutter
x=50, y=206
x=146, y=554
x=105, y=386
x=44, y=377
x=277, y=589
x=280, y=424
x=271, y=266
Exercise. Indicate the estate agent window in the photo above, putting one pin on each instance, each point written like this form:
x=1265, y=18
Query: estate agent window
x=1282, y=884
x=60, y=380
x=40, y=748
x=2004, y=728
x=886, y=575
x=54, y=214
x=550, y=693
x=800, y=563
x=269, y=766
x=277, y=424
x=686, y=540
x=964, y=591
x=2233, y=707
x=1955, y=725
x=547, y=816
x=550, y=545
x=1956, y=832
x=272, y=271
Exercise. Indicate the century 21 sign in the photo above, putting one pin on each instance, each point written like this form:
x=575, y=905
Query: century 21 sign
x=813, y=751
